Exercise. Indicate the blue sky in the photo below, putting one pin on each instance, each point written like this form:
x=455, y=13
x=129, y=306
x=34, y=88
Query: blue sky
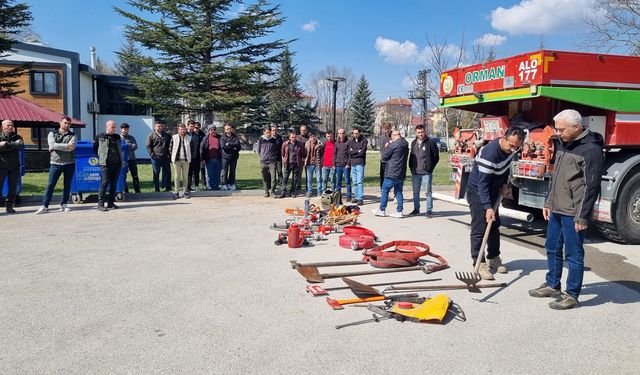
x=384, y=40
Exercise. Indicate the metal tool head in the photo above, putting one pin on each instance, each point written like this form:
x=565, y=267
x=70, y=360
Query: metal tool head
x=294, y=264
x=311, y=274
x=334, y=304
x=361, y=290
x=471, y=279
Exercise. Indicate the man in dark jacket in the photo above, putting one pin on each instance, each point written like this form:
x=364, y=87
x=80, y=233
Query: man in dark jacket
x=268, y=152
x=132, y=163
x=292, y=153
x=383, y=141
x=575, y=186
x=279, y=141
x=487, y=182
x=357, y=159
x=107, y=146
x=158, y=148
x=423, y=157
x=230, y=145
x=212, y=157
x=195, y=137
x=395, y=157
x=341, y=163
x=10, y=144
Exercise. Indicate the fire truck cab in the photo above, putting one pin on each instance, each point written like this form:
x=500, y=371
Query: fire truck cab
x=527, y=90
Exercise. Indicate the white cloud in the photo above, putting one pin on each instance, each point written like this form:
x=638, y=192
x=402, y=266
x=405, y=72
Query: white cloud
x=395, y=52
x=542, y=17
x=490, y=40
x=310, y=26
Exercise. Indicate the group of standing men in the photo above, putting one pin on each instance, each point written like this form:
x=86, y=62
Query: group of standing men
x=329, y=162
x=195, y=155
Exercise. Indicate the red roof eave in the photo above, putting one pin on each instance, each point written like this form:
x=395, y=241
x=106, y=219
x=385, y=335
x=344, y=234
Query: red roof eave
x=18, y=109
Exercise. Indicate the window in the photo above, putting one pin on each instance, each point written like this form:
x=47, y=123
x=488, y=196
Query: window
x=44, y=83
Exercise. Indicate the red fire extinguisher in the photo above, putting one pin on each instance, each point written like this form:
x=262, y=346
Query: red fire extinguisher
x=294, y=239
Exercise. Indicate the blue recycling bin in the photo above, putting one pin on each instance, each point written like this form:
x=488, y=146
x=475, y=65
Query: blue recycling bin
x=87, y=175
x=23, y=170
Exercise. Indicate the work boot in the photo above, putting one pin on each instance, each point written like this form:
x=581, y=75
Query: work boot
x=544, y=291
x=496, y=264
x=10, y=209
x=485, y=272
x=564, y=302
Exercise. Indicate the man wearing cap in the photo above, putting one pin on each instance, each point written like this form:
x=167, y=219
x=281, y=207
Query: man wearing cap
x=10, y=144
x=132, y=162
x=212, y=157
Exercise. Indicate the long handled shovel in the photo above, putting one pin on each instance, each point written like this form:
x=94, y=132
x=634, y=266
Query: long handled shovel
x=471, y=279
x=295, y=264
x=313, y=276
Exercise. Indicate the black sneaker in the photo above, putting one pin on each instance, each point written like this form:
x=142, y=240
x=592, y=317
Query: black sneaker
x=414, y=213
x=360, y=202
x=113, y=206
x=186, y=195
x=101, y=207
x=544, y=291
x=175, y=196
x=564, y=302
x=429, y=215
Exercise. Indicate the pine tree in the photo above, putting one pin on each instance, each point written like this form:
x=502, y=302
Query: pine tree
x=362, y=108
x=13, y=17
x=103, y=67
x=203, y=53
x=129, y=59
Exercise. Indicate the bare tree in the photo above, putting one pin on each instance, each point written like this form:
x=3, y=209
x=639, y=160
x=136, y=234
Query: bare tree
x=614, y=24
x=322, y=89
x=443, y=57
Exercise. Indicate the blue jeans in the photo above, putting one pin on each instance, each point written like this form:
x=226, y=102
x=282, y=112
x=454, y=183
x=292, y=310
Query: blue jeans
x=328, y=173
x=312, y=170
x=357, y=176
x=561, y=232
x=343, y=171
x=54, y=174
x=424, y=181
x=387, y=184
x=213, y=171
x=163, y=165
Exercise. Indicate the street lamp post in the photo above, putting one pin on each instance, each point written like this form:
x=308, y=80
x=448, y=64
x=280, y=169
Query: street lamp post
x=335, y=81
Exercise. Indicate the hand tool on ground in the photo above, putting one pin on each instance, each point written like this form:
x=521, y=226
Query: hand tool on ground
x=337, y=304
x=364, y=290
x=471, y=279
x=317, y=290
x=312, y=275
x=295, y=264
x=394, y=289
x=375, y=319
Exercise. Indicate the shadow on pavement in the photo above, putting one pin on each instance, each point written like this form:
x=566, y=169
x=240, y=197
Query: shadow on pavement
x=610, y=292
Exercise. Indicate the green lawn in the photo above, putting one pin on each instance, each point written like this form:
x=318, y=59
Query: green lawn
x=247, y=175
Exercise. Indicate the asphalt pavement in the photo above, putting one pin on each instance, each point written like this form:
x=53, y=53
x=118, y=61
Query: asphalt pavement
x=198, y=286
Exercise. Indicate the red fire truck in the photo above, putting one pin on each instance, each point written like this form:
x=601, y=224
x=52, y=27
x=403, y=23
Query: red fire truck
x=527, y=90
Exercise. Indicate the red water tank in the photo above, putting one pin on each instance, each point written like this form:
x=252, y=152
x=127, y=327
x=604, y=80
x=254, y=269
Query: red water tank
x=294, y=240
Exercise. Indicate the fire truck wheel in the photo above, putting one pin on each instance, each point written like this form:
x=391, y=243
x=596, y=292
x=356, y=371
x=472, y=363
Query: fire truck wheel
x=626, y=214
